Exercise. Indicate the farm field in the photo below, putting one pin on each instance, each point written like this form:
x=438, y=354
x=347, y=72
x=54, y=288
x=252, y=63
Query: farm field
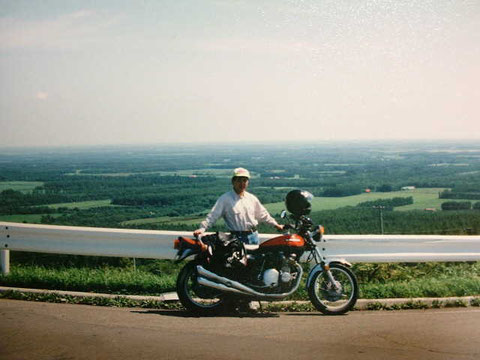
x=422, y=198
x=174, y=187
x=82, y=204
x=22, y=186
x=186, y=172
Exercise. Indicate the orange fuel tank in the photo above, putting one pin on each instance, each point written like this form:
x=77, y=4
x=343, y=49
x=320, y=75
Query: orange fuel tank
x=290, y=240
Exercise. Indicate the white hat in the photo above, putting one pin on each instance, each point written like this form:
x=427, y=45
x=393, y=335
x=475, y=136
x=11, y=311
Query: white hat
x=241, y=172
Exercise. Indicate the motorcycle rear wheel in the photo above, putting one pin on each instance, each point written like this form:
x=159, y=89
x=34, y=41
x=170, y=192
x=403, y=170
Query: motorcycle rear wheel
x=197, y=298
x=334, y=299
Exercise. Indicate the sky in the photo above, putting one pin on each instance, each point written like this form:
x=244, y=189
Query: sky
x=188, y=71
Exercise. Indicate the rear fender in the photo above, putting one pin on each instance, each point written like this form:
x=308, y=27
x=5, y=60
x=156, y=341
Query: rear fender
x=319, y=267
x=187, y=247
x=182, y=255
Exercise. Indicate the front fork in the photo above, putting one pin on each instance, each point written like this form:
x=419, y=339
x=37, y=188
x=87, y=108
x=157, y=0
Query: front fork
x=324, y=265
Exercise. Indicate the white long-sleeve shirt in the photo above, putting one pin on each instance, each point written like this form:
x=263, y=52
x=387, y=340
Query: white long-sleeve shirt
x=241, y=213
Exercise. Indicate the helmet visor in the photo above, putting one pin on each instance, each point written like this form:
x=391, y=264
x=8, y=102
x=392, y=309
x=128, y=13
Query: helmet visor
x=308, y=196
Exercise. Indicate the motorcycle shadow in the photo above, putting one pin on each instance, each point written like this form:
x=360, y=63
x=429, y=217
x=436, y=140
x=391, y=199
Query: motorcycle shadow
x=314, y=314
x=187, y=314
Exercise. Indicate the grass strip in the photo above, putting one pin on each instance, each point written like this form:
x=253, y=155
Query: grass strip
x=108, y=280
x=160, y=278
x=286, y=306
x=118, y=301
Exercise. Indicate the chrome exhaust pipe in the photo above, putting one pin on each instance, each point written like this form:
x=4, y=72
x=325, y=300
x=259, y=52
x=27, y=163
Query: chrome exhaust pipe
x=221, y=287
x=227, y=282
x=235, y=286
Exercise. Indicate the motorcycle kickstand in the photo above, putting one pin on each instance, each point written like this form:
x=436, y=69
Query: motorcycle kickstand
x=260, y=306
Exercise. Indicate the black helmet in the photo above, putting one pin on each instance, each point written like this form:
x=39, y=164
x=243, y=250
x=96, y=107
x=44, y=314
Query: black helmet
x=298, y=202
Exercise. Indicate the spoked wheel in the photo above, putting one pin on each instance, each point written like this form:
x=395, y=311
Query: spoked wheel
x=197, y=298
x=337, y=297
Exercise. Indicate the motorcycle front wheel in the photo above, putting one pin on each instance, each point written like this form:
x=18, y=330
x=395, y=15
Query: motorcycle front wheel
x=195, y=297
x=334, y=298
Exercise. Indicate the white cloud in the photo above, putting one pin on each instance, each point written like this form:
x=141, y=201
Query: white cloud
x=67, y=31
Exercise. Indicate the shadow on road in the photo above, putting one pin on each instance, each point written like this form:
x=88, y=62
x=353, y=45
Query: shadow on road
x=186, y=314
x=310, y=314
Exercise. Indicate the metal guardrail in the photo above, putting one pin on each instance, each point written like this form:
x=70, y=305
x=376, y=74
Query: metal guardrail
x=159, y=244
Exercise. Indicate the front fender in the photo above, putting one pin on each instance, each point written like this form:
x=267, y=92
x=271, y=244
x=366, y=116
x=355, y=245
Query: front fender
x=319, y=267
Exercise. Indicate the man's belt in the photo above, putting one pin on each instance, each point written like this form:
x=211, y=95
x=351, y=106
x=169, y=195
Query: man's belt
x=248, y=232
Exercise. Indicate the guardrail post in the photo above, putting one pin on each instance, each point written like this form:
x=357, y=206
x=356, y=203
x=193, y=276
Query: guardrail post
x=5, y=261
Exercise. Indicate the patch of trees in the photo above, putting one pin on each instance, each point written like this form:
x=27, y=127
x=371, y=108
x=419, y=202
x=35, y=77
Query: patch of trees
x=102, y=216
x=15, y=202
x=342, y=190
x=352, y=220
x=384, y=188
x=388, y=203
x=457, y=205
x=459, y=194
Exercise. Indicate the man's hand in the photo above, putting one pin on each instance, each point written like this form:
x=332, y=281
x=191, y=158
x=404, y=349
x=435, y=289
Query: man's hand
x=279, y=227
x=198, y=232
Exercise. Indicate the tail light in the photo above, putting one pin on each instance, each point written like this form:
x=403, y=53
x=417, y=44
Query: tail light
x=176, y=244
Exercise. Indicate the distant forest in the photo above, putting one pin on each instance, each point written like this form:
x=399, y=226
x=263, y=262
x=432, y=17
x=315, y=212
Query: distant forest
x=171, y=183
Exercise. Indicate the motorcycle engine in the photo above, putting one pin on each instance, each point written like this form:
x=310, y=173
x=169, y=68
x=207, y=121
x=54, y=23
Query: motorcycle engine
x=270, y=277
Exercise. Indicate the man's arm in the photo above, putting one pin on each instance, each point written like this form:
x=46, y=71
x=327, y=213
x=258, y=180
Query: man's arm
x=212, y=217
x=263, y=215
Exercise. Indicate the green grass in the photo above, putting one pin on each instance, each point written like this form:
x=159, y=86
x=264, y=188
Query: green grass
x=422, y=199
x=153, y=277
x=424, y=287
x=23, y=186
x=108, y=280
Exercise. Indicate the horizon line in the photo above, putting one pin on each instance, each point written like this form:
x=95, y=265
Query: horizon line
x=244, y=143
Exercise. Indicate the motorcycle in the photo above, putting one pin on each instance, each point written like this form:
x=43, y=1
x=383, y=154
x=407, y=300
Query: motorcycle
x=225, y=270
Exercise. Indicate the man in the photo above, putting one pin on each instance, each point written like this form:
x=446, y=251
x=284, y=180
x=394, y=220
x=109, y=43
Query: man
x=241, y=211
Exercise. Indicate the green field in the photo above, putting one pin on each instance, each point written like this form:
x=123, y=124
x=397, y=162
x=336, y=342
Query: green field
x=28, y=218
x=23, y=186
x=422, y=199
x=195, y=172
x=82, y=204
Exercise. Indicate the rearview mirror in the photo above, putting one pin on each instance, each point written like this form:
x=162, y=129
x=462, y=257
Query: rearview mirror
x=283, y=214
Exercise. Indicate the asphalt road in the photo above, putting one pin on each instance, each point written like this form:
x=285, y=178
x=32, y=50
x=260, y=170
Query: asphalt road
x=30, y=330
